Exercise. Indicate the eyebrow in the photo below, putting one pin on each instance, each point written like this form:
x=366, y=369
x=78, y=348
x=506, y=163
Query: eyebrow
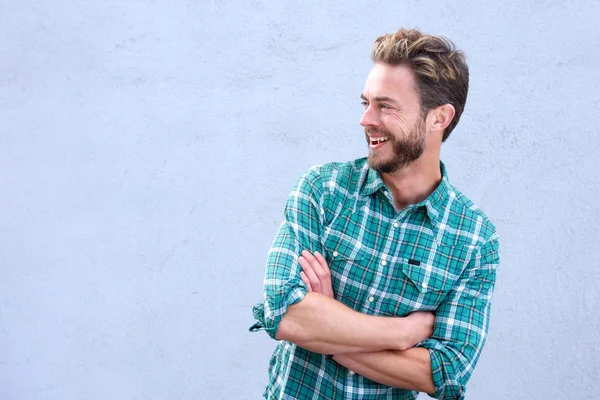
x=379, y=98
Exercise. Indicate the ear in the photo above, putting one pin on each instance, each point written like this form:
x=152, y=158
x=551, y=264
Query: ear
x=441, y=117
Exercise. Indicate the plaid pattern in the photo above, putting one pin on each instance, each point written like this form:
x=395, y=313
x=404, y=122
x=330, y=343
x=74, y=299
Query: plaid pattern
x=439, y=255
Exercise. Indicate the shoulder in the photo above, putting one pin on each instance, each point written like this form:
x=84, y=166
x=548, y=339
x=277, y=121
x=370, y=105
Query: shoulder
x=335, y=176
x=331, y=186
x=465, y=216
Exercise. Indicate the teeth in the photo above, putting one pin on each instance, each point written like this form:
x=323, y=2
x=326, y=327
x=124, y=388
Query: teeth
x=378, y=140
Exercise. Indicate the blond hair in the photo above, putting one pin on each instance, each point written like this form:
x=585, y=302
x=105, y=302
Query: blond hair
x=440, y=70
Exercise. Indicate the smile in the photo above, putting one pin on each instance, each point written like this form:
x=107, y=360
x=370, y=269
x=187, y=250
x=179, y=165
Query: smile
x=375, y=141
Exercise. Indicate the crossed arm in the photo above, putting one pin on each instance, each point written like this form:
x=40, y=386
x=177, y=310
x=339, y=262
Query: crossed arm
x=379, y=348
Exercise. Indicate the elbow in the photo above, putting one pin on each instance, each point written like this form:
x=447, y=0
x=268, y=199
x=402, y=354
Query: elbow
x=290, y=329
x=428, y=388
x=425, y=382
x=276, y=317
x=283, y=331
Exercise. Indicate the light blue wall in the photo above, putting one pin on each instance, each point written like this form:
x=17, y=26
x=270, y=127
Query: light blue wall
x=147, y=148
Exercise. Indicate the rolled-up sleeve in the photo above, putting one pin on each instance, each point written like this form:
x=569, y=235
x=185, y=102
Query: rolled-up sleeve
x=301, y=230
x=462, y=323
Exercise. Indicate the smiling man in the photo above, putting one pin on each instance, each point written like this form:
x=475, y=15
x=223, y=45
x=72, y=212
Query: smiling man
x=379, y=281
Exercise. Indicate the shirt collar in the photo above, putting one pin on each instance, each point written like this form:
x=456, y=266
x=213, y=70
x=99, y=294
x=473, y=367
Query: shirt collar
x=439, y=197
x=372, y=181
x=433, y=204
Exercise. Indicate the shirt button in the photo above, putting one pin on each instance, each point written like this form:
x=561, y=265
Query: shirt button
x=351, y=373
x=371, y=299
x=384, y=263
x=424, y=285
x=335, y=254
x=396, y=224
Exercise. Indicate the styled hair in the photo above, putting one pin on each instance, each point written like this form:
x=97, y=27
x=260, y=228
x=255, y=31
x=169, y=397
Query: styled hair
x=440, y=70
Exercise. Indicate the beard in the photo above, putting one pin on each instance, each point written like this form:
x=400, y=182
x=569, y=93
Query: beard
x=405, y=150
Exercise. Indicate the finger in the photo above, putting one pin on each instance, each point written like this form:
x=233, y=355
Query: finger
x=311, y=260
x=324, y=274
x=320, y=271
x=306, y=281
x=321, y=260
x=315, y=283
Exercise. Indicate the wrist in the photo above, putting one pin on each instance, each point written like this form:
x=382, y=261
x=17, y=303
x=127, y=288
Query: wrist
x=403, y=334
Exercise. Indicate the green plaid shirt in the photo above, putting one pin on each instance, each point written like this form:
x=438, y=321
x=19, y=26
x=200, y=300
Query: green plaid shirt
x=439, y=255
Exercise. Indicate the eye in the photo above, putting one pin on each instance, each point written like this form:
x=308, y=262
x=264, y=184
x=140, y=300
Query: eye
x=364, y=104
x=384, y=106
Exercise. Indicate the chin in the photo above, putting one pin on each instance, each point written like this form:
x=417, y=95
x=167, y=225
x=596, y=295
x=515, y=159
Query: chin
x=379, y=163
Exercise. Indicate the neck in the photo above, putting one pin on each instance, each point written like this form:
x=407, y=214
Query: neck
x=415, y=182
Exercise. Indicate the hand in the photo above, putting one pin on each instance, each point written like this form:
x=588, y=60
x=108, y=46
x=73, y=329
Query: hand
x=421, y=323
x=315, y=273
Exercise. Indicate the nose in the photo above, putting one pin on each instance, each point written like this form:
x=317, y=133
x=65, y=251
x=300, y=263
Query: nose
x=370, y=117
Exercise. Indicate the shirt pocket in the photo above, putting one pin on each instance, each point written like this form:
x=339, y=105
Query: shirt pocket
x=429, y=278
x=419, y=287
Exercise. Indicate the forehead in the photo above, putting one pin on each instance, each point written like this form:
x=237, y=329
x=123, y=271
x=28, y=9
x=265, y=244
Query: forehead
x=394, y=81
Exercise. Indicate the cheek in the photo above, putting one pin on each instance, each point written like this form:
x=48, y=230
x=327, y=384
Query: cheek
x=396, y=124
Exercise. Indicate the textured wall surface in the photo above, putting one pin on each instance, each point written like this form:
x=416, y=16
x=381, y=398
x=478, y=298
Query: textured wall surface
x=146, y=151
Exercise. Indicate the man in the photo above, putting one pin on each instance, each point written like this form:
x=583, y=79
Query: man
x=378, y=284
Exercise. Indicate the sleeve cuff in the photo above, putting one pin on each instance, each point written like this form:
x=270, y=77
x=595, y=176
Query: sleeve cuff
x=268, y=319
x=439, y=369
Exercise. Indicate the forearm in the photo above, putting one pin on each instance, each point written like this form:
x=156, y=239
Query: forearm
x=324, y=325
x=409, y=369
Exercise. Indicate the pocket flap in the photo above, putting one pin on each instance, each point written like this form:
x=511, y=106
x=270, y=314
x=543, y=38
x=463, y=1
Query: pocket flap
x=428, y=277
